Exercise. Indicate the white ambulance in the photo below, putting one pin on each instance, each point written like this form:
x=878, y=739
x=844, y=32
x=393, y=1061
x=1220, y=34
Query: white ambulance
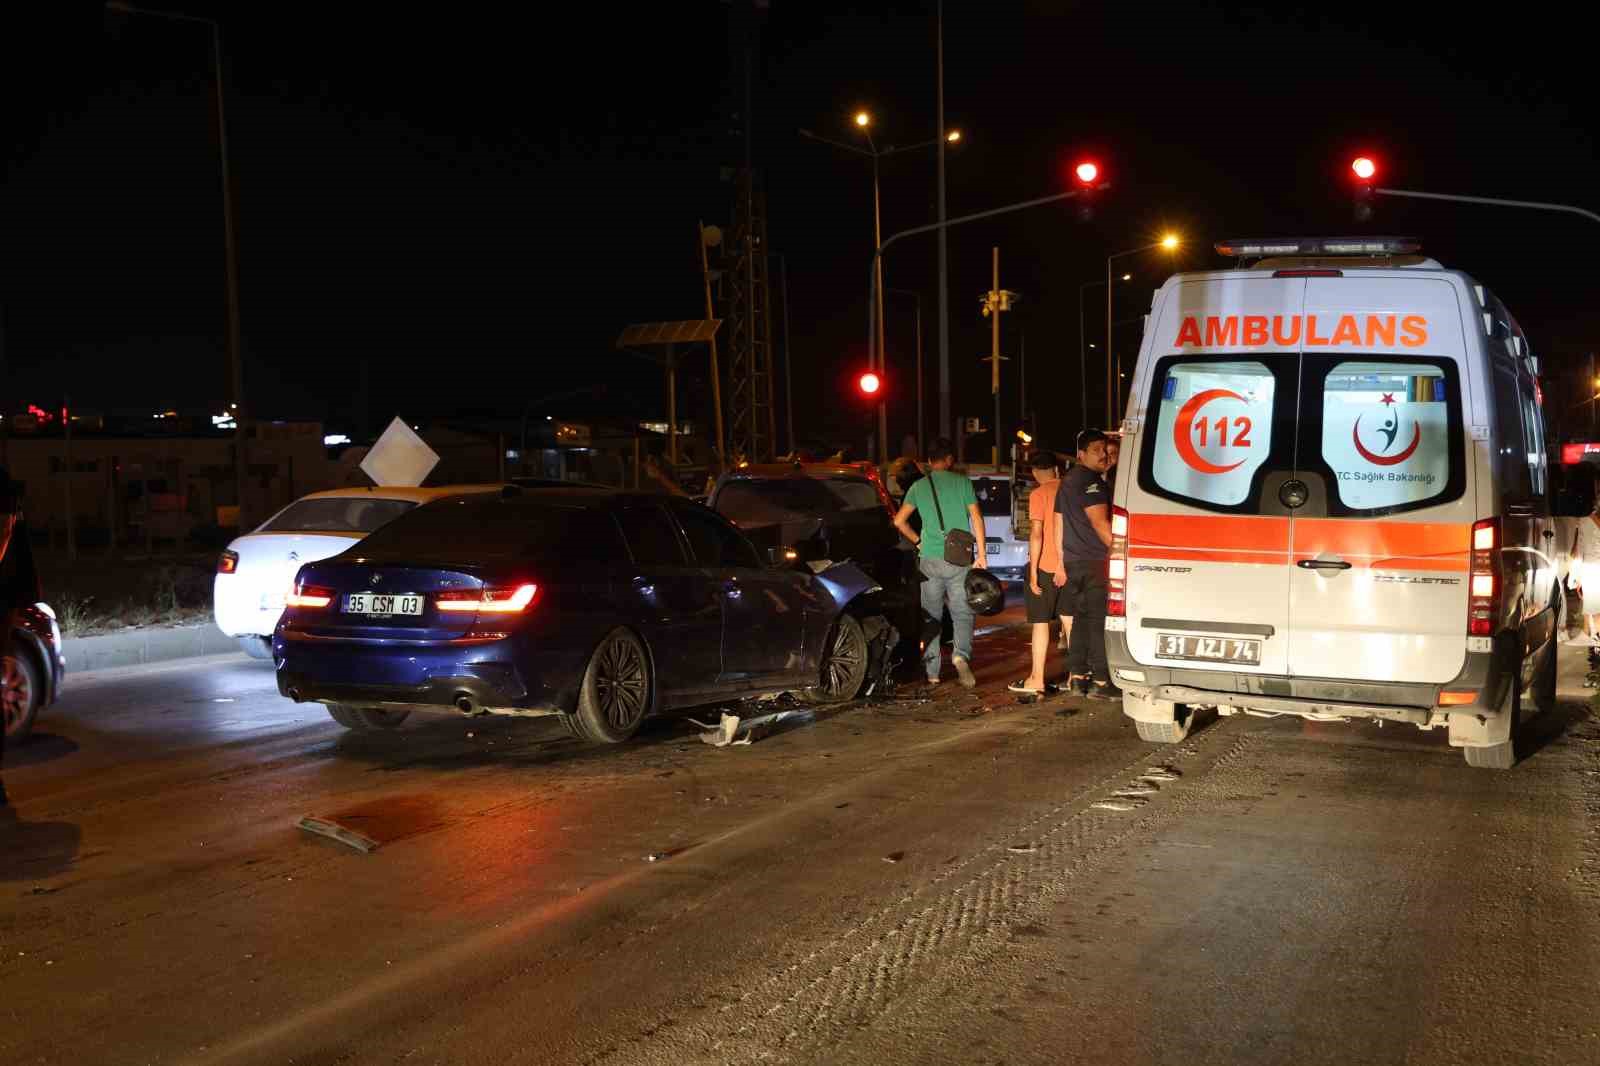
x=1332, y=500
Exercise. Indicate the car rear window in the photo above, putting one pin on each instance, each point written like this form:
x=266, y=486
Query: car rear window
x=356, y=514
x=1217, y=421
x=790, y=499
x=468, y=531
x=994, y=496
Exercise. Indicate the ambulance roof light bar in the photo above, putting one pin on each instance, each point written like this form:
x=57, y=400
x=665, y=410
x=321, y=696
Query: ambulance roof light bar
x=1245, y=248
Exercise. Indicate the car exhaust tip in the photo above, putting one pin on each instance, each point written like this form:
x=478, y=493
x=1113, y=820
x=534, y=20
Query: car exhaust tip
x=464, y=704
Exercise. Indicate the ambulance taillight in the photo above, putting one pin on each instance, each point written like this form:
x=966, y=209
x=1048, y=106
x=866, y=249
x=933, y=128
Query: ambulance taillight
x=1483, y=600
x=1117, y=566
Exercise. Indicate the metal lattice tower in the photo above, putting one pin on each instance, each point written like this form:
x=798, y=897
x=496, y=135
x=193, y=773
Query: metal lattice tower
x=747, y=298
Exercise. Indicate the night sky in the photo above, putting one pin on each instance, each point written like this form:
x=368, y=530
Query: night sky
x=474, y=202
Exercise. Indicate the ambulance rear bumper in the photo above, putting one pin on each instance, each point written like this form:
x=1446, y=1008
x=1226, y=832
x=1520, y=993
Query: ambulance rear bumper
x=1486, y=673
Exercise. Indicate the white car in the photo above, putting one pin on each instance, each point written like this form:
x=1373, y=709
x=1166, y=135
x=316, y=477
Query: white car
x=258, y=568
x=1007, y=555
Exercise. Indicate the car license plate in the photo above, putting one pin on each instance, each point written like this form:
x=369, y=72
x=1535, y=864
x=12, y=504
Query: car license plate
x=1208, y=649
x=382, y=605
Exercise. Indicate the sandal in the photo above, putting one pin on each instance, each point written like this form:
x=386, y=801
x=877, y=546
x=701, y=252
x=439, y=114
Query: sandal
x=1021, y=688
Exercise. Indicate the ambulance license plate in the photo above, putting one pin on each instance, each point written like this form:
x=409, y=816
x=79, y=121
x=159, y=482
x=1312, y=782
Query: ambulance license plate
x=1208, y=649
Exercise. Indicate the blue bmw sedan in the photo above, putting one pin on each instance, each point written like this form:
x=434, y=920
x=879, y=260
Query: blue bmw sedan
x=601, y=607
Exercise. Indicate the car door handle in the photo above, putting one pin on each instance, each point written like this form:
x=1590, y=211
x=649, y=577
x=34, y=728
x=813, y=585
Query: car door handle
x=1323, y=564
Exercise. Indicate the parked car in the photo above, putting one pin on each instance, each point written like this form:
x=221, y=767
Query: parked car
x=1006, y=542
x=596, y=605
x=256, y=571
x=30, y=677
x=827, y=512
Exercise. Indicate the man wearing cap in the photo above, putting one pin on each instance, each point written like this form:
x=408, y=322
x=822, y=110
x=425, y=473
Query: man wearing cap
x=1083, y=505
x=1045, y=598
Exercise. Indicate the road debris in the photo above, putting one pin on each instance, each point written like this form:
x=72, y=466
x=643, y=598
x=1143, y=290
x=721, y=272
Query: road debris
x=1023, y=849
x=734, y=731
x=334, y=831
x=894, y=856
x=1119, y=804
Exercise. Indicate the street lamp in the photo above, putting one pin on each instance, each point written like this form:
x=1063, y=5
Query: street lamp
x=230, y=253
x=1168, y=242
x=863, y=121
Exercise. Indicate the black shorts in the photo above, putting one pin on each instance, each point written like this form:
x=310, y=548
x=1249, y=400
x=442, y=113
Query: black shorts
x=1051, y=602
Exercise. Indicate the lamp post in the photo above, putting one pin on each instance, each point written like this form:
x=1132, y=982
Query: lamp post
x=230, y=251
x=1168, y=242
x=863, y=122
x=1083, y=349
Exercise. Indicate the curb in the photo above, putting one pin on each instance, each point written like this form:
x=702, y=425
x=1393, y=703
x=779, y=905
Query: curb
x=141, y=646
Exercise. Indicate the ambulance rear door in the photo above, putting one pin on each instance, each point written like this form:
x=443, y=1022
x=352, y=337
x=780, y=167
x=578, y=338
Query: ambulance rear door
x=1379, y=581
x=1208, y=542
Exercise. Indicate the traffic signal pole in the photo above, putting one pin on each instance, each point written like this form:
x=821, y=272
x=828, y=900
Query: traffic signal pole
x=877, y=253
x=994, y=350
x=1491, y=201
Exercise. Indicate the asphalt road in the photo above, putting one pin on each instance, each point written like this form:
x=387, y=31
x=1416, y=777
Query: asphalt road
x=901, y=882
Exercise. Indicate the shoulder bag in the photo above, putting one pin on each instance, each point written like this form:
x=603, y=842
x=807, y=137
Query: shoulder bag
x=960, y=546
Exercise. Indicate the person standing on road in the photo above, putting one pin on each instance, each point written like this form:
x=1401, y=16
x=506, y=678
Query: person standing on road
x=1586, y=566
x=1045, y=599
x=942, y=500
x=1083, y=504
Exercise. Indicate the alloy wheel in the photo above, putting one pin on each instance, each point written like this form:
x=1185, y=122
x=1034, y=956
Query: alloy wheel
x=16, y=695
x=620, y=683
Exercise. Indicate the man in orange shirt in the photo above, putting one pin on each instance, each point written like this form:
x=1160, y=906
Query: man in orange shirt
x=1045, y=598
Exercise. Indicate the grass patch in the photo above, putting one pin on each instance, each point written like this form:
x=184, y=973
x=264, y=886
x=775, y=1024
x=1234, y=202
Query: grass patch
x=103, y=594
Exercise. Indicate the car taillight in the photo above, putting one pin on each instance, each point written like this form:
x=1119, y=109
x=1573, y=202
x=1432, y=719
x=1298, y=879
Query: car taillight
x=227, y=562
x=1117, y=565
x=511, y=600
x=1483, y=600
x=309, y=597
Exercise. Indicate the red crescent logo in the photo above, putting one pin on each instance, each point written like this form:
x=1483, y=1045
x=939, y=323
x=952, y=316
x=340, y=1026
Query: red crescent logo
x=1378, y=460
x=1184, y=430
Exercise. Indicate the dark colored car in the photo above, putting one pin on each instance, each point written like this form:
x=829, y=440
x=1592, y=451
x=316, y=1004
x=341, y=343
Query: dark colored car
x=30, y=677
x=827, y=511
x=600, y=606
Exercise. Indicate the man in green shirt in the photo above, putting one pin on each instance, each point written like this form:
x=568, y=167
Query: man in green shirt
x=944, y=500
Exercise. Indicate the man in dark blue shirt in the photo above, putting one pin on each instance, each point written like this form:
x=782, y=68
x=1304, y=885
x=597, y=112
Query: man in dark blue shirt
x=1084, y=503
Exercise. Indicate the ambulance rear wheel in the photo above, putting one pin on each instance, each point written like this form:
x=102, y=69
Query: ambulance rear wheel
x=1501, y=756
x=1544, y=680
x=1173, y=731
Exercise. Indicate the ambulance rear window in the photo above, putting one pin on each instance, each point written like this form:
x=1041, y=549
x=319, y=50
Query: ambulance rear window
x=1216, y=423
x=1389, y=432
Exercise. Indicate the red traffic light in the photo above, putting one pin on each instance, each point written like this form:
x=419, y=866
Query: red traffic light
x=1364, y=168
x=869, y=384
x=1087, y=173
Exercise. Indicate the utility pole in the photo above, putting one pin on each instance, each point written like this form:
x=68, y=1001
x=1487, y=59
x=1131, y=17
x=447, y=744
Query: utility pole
x=995, y=301
x=716, y=376
x=944, y=293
